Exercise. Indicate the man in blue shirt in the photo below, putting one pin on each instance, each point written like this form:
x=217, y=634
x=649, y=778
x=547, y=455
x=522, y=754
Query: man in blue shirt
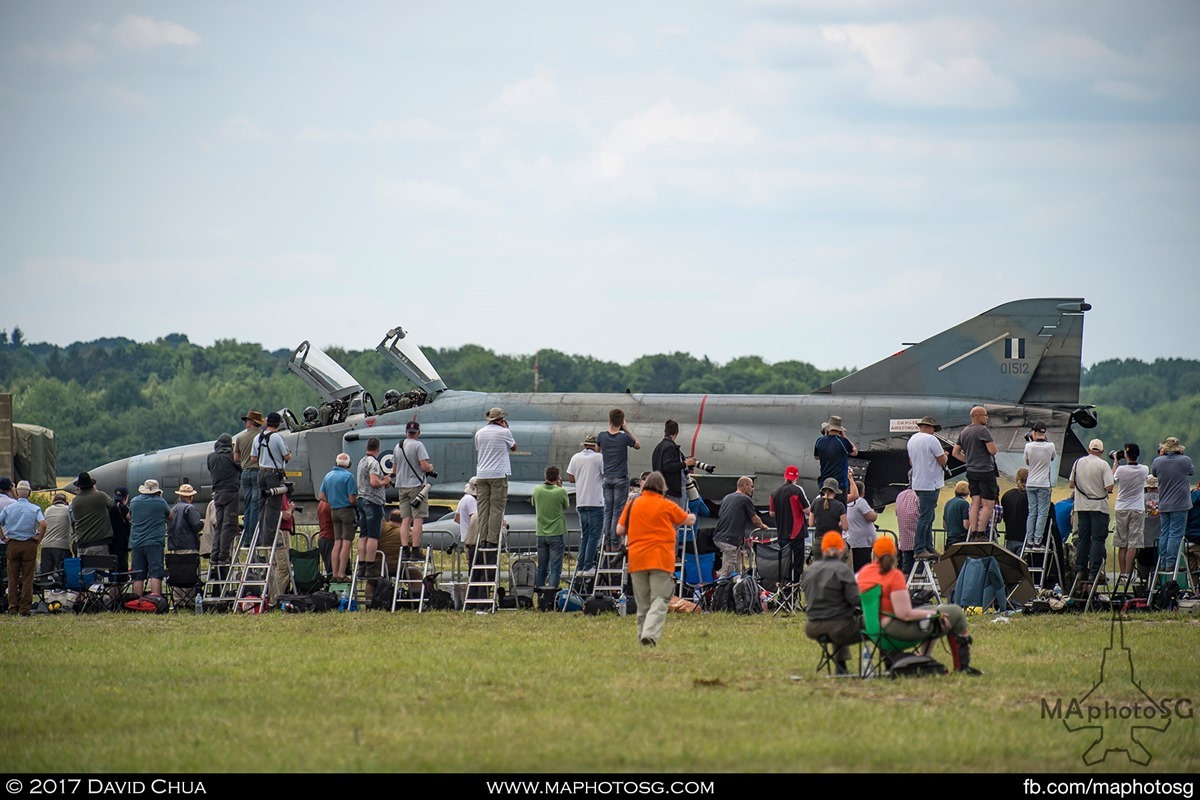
x=340, y=490
x=21, y=527
x=148, y=518
x=614, y=447
x=834, y=451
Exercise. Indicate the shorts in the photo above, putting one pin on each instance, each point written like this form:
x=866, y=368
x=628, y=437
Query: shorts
x=370, y=519
x=344, y=524
x=1129, y=528
x=407, y=495
x=146, y=562
x=983, y=485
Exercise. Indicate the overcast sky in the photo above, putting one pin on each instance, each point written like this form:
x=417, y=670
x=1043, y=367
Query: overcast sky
x=817, y=181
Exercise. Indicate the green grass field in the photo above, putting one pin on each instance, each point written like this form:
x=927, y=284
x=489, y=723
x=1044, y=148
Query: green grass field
x=525, y=691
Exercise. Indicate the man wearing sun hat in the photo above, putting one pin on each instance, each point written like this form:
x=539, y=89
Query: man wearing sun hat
x=89, y=509
x=1172, y=468
x=834, y=606
x=149, y=515
x=243, y=443
x=183, y=534
x=928, y=459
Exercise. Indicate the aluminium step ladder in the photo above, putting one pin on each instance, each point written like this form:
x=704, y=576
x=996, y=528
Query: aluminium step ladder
x=483, y=577
x=922, y=577
x=409, y=591
x=248, y=575
x=360, y=581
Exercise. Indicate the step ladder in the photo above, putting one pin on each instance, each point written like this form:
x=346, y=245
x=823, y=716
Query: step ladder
x=248, y=574
x=1042, y=560
x=1089, y=602
x=686, y=534
x=611, y=572
x=483, y=579
x=922, y=577
x=1179, y=572
x=360, y=580
x=407, y=591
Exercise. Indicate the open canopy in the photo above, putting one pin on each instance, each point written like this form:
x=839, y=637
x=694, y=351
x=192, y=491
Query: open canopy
x=407, y=355
x=323, y=374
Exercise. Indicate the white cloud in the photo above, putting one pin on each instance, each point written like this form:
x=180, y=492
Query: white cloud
x=420, y=196
x=145, y=32
x=242, y=129
x=381, y=132
x=1126, y=91
x=531, y=92
x=56, y=55
x=125, y=97
x=929, y=65
x=665, y=124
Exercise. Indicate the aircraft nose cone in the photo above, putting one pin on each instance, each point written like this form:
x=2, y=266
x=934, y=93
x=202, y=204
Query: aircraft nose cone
x=112, y=475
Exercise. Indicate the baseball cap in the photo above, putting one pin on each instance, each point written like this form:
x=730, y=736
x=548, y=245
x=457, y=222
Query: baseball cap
x=832, y=541
x=884, y=546
x=791, y=472
x=412, y=425
x=1096, y=446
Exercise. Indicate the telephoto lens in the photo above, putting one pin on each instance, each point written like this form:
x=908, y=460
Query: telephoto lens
x=709, y=468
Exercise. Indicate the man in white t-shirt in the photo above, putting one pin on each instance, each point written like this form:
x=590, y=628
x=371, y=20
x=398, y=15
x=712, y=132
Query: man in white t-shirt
x=928, y=459
x=586, y=470
x=1092, y=482
x=493, y=443
x=1130, y=508
x=1039, y=455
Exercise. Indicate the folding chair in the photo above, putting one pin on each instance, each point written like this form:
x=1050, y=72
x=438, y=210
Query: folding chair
x=773, y=569
x=103, y=587
x=183, y=578
x=879, y=648
x=306, y=570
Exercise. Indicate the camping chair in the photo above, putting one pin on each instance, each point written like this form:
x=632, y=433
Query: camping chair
x=306, y=570
x=773, y=569
x=102, y=587
x=880, y=648
x=183, y=577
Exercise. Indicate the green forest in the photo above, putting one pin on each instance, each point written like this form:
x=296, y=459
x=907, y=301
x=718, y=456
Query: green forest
x=112, y=398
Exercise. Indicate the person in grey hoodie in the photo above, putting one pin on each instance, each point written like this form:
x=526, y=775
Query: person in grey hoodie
x=226, y=485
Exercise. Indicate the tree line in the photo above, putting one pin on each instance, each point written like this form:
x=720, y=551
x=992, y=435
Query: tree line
x=112, y=398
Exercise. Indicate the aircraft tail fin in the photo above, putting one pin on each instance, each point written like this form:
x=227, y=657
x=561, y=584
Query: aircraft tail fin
x=1026, y=351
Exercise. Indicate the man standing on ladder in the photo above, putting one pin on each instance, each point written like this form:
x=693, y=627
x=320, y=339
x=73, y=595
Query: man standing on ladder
x=270, y=455
x=411, y=468
x=977, y=449
x=493, y=443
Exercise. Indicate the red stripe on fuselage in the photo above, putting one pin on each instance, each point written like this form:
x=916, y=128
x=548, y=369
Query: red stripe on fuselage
x=699, y=422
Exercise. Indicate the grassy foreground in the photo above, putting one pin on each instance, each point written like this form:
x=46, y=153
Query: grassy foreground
x=525, y=691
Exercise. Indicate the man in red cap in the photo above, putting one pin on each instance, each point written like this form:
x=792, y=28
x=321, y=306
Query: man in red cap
x=789, y=508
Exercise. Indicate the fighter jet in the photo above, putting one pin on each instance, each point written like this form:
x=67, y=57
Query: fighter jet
x=1021, y=360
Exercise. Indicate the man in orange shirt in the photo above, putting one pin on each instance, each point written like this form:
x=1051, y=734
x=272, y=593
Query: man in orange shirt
x=898, y=617
x=647, y=529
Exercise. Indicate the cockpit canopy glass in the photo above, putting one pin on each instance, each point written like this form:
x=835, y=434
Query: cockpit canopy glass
x=399, y=348
x=322, y=373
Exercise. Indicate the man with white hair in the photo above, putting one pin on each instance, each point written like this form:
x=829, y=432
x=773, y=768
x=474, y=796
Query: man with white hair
x=1092, y=482
x=340, y=490
x=22, y=524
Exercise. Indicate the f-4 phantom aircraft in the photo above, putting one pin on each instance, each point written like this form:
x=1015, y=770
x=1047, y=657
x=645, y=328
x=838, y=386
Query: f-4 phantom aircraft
x=1020, y=360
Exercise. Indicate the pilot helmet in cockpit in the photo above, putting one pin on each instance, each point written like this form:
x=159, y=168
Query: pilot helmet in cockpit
x=310, y=414
x=391, y=397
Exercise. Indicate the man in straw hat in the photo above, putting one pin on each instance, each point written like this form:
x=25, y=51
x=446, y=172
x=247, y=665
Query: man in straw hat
x=149, y=515
x=1172, y=468
x=585, y=470
x=928, y=459
x=493, y=442
x=834, y=451
x=183, y=534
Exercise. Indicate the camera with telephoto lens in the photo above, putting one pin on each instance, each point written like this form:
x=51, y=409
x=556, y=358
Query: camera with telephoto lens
x=278, y=491
x=693, y=491
x=422, y=496
x=709, y=468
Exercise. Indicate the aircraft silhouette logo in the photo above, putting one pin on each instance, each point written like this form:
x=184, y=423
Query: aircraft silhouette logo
x=1116, y=712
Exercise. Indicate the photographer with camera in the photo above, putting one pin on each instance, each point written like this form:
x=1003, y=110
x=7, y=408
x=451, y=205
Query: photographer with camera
x=834, y=451
x=340, y=490
x=372, y=488
x=270, y=455
x=669, y=459
x=411, y=468
x=614, y=447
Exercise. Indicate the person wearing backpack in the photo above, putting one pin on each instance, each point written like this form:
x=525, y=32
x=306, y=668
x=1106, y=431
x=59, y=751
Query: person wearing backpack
x=647, y=529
